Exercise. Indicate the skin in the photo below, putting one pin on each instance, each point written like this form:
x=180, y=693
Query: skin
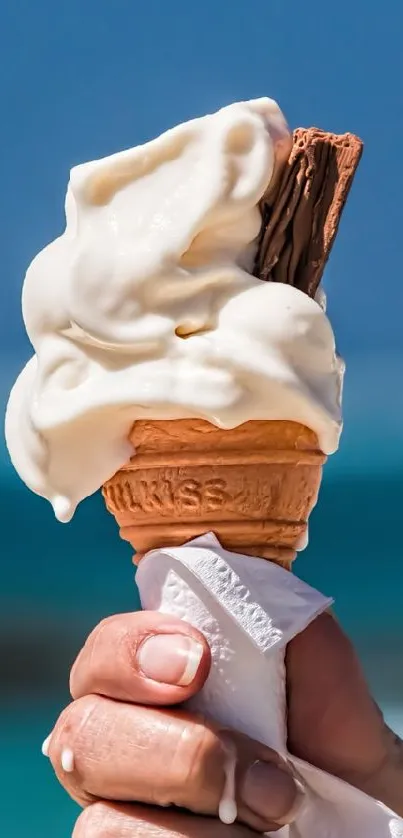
x=133, y=746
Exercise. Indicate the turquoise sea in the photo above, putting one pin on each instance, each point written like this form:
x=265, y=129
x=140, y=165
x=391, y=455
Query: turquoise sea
x=58, y=581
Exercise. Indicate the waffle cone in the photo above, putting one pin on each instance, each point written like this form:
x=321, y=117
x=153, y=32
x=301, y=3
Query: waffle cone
x=253, y=486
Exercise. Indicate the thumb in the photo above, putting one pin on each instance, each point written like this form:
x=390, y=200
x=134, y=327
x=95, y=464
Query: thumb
x=142, y=658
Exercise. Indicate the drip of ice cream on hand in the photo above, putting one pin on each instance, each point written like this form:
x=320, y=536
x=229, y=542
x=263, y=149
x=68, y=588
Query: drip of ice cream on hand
x=146, y=307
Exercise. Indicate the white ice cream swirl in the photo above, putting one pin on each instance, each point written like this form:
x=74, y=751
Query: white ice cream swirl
x=145, y=307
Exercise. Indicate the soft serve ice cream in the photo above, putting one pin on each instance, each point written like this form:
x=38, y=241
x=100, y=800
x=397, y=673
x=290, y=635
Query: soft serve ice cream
x=146, y=307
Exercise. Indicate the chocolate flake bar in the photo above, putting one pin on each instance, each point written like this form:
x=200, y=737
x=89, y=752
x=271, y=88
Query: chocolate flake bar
x=301, y=211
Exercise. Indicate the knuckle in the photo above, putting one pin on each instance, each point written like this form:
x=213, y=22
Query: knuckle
x=116, y=633
x=81, y=671
x=96, y=821
x=109, y=627
x=83, y=708
x=71, y=733
x=64, y=723
x=74, y=716
x=108, y=630
x=126, y=638
x=105, y=625
x=106, y=621
x=201, y=756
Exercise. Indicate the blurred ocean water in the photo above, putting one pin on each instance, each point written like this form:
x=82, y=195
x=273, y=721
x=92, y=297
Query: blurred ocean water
x=58, y=581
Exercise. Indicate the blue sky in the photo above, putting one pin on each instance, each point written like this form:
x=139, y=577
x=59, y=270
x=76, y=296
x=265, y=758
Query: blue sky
x=84, y=78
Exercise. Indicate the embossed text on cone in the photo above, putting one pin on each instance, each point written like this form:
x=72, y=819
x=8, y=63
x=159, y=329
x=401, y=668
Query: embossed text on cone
x=253, y=486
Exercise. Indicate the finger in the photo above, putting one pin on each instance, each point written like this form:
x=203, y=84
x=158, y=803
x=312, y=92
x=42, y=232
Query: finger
x=111, y=750
x=108, y=820
x=145, y=657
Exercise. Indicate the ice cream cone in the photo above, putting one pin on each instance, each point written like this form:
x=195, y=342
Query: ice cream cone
x=254, y=486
